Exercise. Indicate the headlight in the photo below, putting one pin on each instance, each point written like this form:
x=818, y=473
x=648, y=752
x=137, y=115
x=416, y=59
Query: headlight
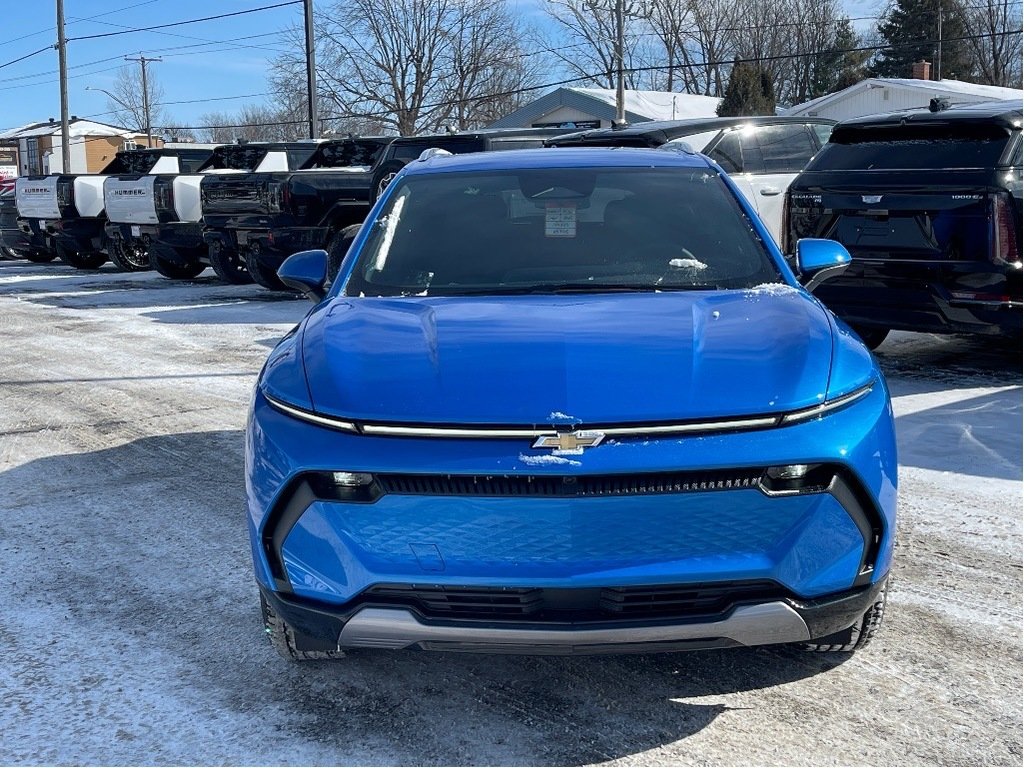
x=312, y=418
x=804, y=414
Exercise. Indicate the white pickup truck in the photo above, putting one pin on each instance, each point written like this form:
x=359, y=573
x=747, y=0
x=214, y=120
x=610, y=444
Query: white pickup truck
x=166, y=210
x=70, y=207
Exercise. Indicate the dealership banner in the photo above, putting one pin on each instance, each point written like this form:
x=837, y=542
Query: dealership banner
x=8, y=163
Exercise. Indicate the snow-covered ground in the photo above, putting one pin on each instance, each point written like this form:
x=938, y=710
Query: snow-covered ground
x=129, y=629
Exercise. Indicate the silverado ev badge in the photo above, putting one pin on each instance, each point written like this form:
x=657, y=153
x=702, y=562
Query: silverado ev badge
x=570, y=441
x=871, y=199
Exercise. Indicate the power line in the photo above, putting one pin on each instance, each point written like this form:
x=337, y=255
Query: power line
x=75, y=21
x=584, y=78
x=185, y=21
x=26, y=56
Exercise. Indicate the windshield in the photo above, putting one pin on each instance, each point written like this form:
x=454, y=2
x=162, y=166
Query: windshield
x=132, y=161
x=565, y=229
x=912, y=147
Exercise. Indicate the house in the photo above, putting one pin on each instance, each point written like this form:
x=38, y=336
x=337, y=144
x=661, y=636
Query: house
x=92, y=145
x=878, y=95
x=595, y=108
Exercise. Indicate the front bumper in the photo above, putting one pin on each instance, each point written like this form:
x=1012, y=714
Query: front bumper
x=445, y=531
x=370, y=625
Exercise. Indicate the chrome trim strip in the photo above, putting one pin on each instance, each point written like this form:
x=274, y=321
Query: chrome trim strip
x=827, y=406
x=719, y=425
x=383, y=429
x=312, y=418
x=764, y=624
x=697, y=426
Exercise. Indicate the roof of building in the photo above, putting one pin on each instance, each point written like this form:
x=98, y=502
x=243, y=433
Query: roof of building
x=930, y=87
x=600, y=102
x=76, y=129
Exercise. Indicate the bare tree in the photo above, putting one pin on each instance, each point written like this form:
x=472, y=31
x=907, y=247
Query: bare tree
x=127, y=103
x=385, y=58
x=996, y=47
x=583, y=41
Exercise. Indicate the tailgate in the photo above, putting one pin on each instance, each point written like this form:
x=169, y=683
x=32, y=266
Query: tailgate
x=129, y=199
x=937, y=223
x=234, y=193
x=36, y=197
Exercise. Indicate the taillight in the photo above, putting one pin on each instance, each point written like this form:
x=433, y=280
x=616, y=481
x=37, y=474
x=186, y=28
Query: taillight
x=277, y=196
x=65, y=193
x=785, y=224
x=1007, y=249
x=163, y=194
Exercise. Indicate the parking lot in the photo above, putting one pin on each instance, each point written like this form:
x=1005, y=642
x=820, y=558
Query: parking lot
x=130, y=623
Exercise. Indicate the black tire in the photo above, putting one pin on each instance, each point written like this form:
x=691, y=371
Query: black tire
x=228, y=264
x=128, y=256
x=856, y=637
x=872, y=337
x=7, y=253
x=91, y=260
x=286, y=640
x=337, y=246
x=383, y=178
x=173, y=270
x=40, y=258
x=261, y=273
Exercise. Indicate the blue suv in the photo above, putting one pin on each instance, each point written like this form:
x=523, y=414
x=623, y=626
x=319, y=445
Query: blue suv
x=569, y=401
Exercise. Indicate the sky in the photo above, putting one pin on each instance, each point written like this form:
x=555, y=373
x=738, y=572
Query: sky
x=205, y=67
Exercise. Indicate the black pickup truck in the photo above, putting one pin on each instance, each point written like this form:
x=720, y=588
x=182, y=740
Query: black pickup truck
x=929, y=205
x=262, y=217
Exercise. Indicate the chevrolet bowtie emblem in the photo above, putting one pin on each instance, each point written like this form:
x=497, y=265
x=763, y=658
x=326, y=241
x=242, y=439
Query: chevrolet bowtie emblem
x=570, y=441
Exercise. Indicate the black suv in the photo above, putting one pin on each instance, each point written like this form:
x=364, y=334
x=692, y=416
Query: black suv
x=403, y=151
x=929, y=205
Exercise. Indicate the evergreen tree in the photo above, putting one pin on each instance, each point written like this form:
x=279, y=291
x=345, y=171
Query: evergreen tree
x=839, y=67
x=749, y=92
x=910, y=29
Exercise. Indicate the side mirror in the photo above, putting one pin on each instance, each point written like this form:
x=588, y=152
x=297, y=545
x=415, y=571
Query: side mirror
x=818, y=260
x=306, y=272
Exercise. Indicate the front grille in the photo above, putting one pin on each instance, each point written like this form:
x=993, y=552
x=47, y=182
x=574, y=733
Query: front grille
x=576, y=604
x=570, y=485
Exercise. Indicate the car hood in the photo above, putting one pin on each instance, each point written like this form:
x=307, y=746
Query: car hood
x=591, y=359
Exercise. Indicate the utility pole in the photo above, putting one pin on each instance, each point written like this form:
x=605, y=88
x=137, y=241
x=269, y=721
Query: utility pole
x=145, y=94
x=620, y=44
x=62, y=63
x=310, y=71
x=938, y=57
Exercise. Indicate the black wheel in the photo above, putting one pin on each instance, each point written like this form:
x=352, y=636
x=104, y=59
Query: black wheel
x=856, y=637
x=92, y=260
x=174, y=270
x=872, y=337
x=288, y=642
x=260, y=272
x=228, y=264
x=128, y=256
x=384, y=177
x=7, y=253
x=337, y=246
x=41, y=258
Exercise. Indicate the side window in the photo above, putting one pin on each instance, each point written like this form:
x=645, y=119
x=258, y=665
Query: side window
x=408, y=152
x=822, y=131
x=727, y=153
x=785, y=148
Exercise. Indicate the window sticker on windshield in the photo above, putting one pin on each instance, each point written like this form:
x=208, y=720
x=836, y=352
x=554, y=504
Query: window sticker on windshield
x=559, y=219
